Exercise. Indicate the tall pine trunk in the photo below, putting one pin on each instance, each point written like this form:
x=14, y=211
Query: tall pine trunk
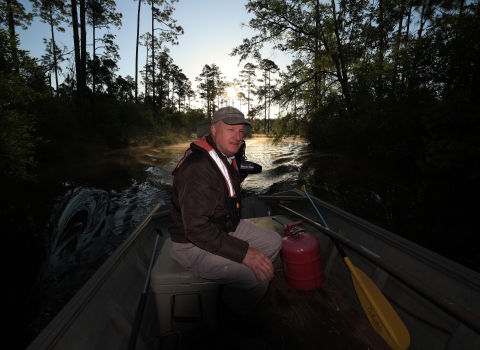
x=317, y=54
x=265, y=97
x=161, y=87
x=136, y=51
x=398, y=45
x=76, y=44
x=83, y=50
x=153, y=55
x=341, y=69
x=54, y=51
x=11, y=30
x=94, y=62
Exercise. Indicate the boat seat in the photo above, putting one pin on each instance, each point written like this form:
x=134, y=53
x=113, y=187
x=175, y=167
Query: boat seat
x=183, y=301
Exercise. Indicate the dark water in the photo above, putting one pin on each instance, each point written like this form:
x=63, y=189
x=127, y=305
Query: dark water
x=60, y=230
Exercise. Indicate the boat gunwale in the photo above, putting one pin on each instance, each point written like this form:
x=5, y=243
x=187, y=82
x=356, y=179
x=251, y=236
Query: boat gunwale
x=460, y=313
x=461, y=274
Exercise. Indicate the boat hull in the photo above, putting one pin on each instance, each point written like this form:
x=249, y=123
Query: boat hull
x=437, y=299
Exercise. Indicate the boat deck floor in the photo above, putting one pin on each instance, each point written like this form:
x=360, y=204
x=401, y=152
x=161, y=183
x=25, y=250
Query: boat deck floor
x=318, y=319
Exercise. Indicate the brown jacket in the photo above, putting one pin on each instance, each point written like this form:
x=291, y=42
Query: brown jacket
x=199, y=202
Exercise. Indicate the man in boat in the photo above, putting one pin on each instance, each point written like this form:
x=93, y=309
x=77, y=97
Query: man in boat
x=208, y=237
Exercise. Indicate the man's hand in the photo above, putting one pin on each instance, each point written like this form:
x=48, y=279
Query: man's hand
x=256, y=260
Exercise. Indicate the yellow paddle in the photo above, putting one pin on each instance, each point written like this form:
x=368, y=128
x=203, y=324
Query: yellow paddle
x=380, y=313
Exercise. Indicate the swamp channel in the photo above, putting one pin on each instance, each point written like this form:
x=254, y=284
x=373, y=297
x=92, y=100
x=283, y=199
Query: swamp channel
x=58, y=231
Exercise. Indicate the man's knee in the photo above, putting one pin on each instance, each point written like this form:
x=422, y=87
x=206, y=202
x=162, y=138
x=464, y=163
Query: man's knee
x=259, y=287
x=275, y=245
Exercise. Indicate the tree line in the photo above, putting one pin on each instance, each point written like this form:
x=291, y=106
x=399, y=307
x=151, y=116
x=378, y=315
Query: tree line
x=46, y=119
x=91, y=74
x=398, y=80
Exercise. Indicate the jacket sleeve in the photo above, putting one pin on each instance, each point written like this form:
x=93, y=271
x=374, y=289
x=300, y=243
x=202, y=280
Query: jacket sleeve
x=201, y=197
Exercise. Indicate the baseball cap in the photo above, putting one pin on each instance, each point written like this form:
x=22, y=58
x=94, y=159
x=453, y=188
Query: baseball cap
x=229, y=115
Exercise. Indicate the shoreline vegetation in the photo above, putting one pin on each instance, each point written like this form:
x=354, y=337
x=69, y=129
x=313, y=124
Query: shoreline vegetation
x=364, y=81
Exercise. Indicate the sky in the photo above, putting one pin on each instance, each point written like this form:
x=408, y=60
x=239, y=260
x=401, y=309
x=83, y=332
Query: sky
x=212, y=29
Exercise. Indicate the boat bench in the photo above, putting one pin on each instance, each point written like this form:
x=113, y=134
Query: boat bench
x=183, y=301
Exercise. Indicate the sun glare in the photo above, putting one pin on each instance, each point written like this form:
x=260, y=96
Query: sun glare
x=231, y=92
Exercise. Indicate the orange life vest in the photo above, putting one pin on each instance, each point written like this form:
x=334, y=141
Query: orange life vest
x=203, y=143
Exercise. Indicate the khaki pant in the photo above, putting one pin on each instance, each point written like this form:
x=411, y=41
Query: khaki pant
x=241, y=291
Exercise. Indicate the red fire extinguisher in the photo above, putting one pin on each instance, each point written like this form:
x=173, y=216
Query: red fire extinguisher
x=302, y=257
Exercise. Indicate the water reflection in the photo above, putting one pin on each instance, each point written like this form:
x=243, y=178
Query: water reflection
x=281, y=165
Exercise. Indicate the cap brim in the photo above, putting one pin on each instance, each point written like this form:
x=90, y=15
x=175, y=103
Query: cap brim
x=235, y=120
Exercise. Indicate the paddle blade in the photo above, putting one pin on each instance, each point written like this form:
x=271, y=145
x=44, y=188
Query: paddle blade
x=380, y=313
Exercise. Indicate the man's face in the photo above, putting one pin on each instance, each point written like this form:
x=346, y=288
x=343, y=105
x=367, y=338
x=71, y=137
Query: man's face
x=228, y=138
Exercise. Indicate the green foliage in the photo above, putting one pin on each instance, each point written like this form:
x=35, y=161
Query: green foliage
x=210, y=85
x=193, y=117
x=39, y=127
x=17, y=106
x=126, y=123
x=57, y=127
x=123, y=122
x=452, y=145
x=453, y=121
x=257, y=124
x=16, y=143
x=109, y=123
x=365, y=80
x=44, y=126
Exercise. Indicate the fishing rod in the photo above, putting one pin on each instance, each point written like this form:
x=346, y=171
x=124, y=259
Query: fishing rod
x=143, y=298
